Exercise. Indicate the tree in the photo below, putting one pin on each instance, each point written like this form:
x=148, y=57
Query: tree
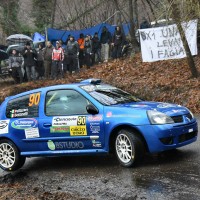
x=8, y=19
x=177, y=17
x=42, y=13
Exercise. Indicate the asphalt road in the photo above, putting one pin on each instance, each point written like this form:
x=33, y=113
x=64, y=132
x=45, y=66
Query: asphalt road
x=171, y=175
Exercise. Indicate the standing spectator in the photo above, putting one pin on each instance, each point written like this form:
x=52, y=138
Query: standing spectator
x=15, y=62
x=30, y=57
x=57, y=61
x=105, y=40
x=118, y=42
x=81, y=49
x=40, y=62
x=96, y=49
x=71, y=51
x=88, y=51
x=47, y=55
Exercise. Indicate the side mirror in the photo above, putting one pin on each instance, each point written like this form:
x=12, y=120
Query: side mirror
x=91, y=109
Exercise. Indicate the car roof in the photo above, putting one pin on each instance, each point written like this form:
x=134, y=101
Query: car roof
x=55, y=87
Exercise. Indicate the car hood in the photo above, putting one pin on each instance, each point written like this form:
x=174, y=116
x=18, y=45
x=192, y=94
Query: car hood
x=167, y=108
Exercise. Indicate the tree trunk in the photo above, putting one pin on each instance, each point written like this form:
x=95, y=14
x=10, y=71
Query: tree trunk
x=53, y=12
x=132, y=24
x=177, y=18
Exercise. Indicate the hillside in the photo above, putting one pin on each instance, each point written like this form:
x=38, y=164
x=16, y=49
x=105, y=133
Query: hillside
x=168, y=81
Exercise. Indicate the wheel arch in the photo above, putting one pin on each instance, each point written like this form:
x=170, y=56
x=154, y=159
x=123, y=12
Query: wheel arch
x=7, y=138
x=131, y=128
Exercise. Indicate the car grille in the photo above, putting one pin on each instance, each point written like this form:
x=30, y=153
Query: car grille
x=187, y=136
x=181, y=138
x=189, y=116
x=179, y=118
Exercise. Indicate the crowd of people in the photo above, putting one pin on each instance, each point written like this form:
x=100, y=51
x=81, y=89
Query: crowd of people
x=51, y=62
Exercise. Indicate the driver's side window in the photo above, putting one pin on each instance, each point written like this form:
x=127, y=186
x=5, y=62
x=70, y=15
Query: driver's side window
x=65, y=102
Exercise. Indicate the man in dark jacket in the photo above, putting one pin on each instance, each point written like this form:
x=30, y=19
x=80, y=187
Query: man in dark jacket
x=96, y=49
x=105, y=40
x=30, y=57
x=47, y=55
x=15, y=62
x=117, y=42
x=71, y=51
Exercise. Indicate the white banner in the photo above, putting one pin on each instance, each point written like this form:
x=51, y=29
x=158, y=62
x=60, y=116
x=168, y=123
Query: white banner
x=165, y=43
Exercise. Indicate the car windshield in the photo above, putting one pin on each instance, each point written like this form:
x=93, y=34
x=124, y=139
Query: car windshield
x=109, y=95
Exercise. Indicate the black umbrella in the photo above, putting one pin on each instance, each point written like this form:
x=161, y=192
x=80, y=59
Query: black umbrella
x=3, y=55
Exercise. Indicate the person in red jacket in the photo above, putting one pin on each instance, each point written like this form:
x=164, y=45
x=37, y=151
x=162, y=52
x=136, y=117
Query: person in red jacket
x=57, y=61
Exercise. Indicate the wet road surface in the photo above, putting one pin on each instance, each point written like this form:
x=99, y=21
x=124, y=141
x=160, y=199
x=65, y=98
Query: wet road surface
x=170, y=175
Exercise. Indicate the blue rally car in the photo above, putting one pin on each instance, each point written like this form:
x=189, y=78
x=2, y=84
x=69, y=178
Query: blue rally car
x=89, y=118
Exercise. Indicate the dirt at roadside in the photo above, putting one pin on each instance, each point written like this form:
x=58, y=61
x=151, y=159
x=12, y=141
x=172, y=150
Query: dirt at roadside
x=15, y=187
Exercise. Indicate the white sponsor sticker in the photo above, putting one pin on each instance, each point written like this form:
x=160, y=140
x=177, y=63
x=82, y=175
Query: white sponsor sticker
x=32, y=133
x=65, y=121
x=4, y=126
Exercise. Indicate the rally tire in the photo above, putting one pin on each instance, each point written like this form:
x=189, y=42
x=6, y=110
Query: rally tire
x=10, y=159
x=129, y=148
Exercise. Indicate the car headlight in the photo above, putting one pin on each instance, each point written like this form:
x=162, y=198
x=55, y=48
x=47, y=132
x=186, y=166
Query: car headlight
x=156, y=117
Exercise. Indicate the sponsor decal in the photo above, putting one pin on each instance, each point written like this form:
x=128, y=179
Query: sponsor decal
x=78, y=130
x=69, y=121
x=19, y=113
x=64, y=145
x=59, y=129
x=24, y=123
x=64, y=121
x=165, y=105
x=4, y=126
x=32, y=133
x=109, y=114
x=139, y=106
x=51, y=145
x=95, y=127
x=96, y=143
x=95, y=118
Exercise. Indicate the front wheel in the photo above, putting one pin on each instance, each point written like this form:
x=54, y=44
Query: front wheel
x=129, y=148
x=10, y=159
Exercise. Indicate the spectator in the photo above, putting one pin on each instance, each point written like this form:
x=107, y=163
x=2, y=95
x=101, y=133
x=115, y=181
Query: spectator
x=40, y=62
x=96, y=49
x=117, y=42
x=105, y=40
x=144, y=24
x=30, y=57
x=47, y=55
x=72, y=50
x=57, y=61
x=81, y=49
x=88, y=51
x=15, y=63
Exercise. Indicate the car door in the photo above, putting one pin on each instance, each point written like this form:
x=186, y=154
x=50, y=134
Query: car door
x=66, y=124
x=23, y=115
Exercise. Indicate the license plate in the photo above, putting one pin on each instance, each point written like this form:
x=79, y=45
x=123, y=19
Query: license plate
x=190, y=130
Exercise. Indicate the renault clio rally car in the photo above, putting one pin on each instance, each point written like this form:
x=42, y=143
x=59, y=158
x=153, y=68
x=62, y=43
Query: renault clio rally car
x=89, y=118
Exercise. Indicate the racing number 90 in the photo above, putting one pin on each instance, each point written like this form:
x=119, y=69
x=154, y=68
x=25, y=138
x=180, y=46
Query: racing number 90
x=34, y=99
x=81, y=121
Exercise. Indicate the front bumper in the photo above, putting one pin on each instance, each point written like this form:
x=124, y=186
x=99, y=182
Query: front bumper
x=169, y=136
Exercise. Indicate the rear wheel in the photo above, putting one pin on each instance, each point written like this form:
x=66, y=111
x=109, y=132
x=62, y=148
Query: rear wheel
x=129, y=148
x=10, y=159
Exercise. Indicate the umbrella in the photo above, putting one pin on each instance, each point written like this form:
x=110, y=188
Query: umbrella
x=18, y=38
x=3, y=55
